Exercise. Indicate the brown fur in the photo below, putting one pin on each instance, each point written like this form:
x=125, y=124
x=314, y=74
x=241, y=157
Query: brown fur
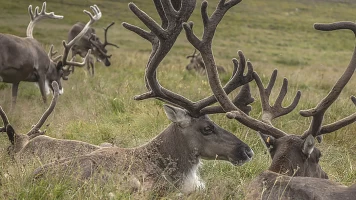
x=271, y=185
x=166, y=160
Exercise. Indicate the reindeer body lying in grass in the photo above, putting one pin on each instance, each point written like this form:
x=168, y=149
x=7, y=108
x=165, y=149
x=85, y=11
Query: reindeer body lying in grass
x=34, y=148
x=295, y=172
x=173, y=157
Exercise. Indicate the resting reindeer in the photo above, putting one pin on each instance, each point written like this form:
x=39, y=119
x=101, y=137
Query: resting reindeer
x=197, y=64
x=90, y=42
x=292, y=155
x=288, y=154
x=173, y=157
x=28, y=60
x=36, y=148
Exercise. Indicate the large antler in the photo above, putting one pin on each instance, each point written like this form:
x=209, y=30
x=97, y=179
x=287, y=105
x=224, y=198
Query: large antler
x=35, y=131
x=318, y=112
x=68, y=46
x=204, y=46
x=106, y=36
x=162, y=39
x=37, y=16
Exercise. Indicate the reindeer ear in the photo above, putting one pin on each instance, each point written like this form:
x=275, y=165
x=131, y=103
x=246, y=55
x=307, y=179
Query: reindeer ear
x=267, y=140
x=59, y=65
x=308, y=145
x=10, y=133
x=176, y=114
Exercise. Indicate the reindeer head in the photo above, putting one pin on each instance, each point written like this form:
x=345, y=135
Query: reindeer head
x=208, y=140
x=55, y=71
x=99, y=49
x=293, y=155
x=196, y=63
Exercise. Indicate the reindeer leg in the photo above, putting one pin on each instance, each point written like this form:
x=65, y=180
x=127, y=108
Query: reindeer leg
x=71, y=68
x=92, y=66
x=15, y=87
x=42, y=85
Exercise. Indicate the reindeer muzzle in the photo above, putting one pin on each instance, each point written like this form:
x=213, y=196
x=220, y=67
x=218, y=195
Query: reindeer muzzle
x=107, y=62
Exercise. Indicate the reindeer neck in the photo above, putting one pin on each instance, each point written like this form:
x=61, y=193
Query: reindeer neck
x=170, y=151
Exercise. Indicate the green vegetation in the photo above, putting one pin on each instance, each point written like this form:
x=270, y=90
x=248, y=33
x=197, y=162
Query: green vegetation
x=272, y=34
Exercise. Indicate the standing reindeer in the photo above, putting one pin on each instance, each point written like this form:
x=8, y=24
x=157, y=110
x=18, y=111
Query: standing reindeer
x=197, y=64
x=24, y=59
x=173, y=157
x=295, y=172
x=34, y=147
x=90, y=42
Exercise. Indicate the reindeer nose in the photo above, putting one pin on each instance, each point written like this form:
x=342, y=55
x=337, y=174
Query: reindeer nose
x=249, y=152
x=107, y=62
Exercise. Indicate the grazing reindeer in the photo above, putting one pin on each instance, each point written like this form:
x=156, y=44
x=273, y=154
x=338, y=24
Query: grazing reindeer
x=35, y=147
x=173, y=157
x=28, y=61
x=295, y=172
x=90, y=42
x=197, y=64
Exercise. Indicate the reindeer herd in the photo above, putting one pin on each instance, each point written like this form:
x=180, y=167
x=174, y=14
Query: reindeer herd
x=173, y=157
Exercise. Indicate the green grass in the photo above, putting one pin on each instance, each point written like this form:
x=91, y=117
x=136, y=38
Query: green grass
x=275, y=34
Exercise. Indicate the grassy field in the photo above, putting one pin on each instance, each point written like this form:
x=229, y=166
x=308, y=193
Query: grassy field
x=276, y=34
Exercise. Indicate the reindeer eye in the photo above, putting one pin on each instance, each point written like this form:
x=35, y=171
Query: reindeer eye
x=208, y=130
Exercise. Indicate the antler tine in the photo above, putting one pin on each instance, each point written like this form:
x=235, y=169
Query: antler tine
x=318, y=112
x=5, y=120
x=329, y=128
x=237, y=79
x=242, y=101
x=36, y=129
x=271, y=112
x=51, y=53
x=37, y=16
x=68, y=46
x=106, y=33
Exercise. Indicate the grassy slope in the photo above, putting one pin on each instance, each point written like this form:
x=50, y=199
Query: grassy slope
x=272, y=34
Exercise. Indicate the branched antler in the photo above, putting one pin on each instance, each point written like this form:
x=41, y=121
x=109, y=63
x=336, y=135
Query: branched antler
x=106, y=36
x=35, y=131
x=318, y=112
x=277, y=110
x=162, y=38
x=67, y=46
x=37, y=16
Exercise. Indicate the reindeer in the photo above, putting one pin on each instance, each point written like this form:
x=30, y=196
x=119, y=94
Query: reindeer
x=295, y=172
x=90, y=42
x=173, y=156
x=197, y=64
x=28, y=60
x=34, y=147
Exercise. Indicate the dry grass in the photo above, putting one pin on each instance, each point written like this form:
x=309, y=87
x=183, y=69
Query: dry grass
x=272, y=34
